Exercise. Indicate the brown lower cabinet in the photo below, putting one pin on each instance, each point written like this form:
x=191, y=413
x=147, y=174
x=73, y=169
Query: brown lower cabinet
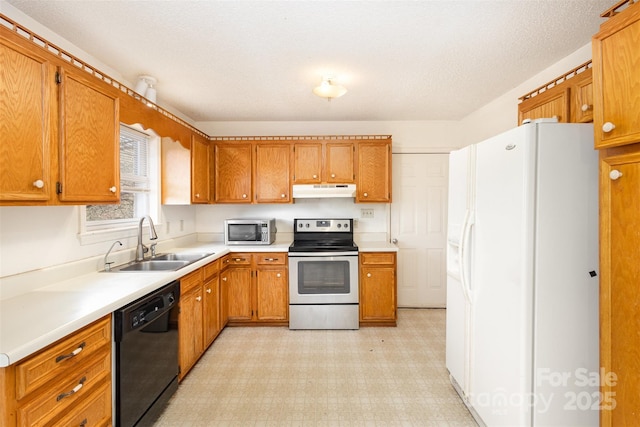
x=60, y=385
x=199, y=322
x=258, y=288
x=619, y=279
x=378, y=305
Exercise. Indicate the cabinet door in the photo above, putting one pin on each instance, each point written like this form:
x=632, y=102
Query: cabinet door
x=339, y=162
x=199, y=169
x=233, y=173
x=374, y=172
x=271, y=173
x=378, y=293
x=238, y=282
x=89, y=139
x=582, y=94
x=554, y=102
x=190, y=329
x=272, y=290
x=307, y=163
x=211, y=314
x=619, y=296
x=616, y=87
x=27, y=88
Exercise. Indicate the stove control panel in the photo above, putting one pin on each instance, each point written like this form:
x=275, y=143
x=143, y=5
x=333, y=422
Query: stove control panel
x=323, y=225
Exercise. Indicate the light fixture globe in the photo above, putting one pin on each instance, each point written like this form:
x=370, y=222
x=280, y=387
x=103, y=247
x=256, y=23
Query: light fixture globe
x=328, y=89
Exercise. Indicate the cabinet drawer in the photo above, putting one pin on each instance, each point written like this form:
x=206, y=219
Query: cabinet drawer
x=190, y=280
x=275, y=258
x=69, y=391
x=61, y=358
x=237, y=259
x=95, y=410
x=211, y=269
x=367, y=258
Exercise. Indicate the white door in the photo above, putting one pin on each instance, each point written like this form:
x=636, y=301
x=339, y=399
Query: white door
x=419, y=226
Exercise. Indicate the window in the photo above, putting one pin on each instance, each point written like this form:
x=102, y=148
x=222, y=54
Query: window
x=137, y=184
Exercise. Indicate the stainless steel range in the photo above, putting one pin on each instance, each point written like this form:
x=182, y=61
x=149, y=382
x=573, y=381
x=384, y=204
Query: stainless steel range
x=323, y=275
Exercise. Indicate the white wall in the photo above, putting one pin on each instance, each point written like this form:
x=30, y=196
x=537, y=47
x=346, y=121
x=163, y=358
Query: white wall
x=502, y=113
x=38, y=237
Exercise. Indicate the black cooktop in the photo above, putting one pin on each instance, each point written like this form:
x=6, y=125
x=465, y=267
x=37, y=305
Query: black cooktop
x=323, y=235
x=323, y=246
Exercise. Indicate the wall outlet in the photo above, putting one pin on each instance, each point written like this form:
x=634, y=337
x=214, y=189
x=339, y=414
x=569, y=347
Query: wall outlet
x=366, y=213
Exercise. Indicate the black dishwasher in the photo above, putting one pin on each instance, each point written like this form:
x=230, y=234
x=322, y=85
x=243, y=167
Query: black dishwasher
x=146, y=356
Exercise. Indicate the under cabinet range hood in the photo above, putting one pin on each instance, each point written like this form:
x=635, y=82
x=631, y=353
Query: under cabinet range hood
x=323, y=191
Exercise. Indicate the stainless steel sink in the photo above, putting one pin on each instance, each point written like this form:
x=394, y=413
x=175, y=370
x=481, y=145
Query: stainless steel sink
x=191, y=257
x=164, y=262
x=152, y=265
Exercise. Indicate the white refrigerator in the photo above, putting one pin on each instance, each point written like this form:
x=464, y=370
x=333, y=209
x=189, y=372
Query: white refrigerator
x=522, y=284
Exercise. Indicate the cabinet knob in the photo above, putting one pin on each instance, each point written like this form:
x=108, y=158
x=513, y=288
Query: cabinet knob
x=394, y=241
x=368, y=274
x=365, y=194
x=586, y=107
x=113, y=189
x=224, y=279
x=198, y=298
x=244, y=196
x=38, y=183
x=278, y=275
x=615, y=174
x=333, y=175
x=283, y=195
x=608, y=127
x=197, y=195
x=209, y=290
x=315, y=176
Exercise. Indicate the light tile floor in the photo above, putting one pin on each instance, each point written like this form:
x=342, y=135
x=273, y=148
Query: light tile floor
x=271, y=376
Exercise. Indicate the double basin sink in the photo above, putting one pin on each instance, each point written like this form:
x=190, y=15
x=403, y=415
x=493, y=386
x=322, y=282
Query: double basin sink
x=164, y=262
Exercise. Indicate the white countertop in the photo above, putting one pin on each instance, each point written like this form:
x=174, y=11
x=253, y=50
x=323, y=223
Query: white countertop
x=37, y=318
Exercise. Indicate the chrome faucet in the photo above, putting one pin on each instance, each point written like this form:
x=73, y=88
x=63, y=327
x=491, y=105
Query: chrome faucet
x=142, y=249
x=107, y=265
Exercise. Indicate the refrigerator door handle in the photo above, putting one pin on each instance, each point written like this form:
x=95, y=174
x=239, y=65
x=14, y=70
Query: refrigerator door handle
x=463, y=254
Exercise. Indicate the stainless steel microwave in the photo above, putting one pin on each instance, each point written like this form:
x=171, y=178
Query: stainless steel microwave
x=243, y=231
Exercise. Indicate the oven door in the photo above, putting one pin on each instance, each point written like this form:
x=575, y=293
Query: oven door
x=323, y=278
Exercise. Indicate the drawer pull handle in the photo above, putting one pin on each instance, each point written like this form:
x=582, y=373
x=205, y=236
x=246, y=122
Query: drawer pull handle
x=73, y=391
x=271, y=259
x=72, y=354
x=239, y=259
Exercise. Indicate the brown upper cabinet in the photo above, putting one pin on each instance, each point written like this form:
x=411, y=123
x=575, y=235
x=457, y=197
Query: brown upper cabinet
x=569, y=98
x=317, y=162
x=186, y=174
x=232, y=169
x=89, y=139
x=27, y=134
x=582, y=97
x=616, y=87
x=374, y=172
x=60, y=143
x=200, y=181
x=271, y=172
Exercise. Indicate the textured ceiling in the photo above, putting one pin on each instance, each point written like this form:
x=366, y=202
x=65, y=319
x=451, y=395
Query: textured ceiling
x=259, y=60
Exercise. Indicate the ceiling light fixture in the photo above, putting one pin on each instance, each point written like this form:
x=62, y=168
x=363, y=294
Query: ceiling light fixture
x=145, y=88
x=328, y=89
